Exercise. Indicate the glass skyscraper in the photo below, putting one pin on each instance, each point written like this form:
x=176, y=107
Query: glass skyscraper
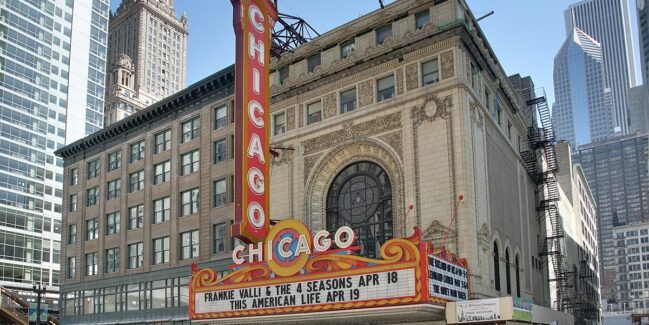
x=43, y=42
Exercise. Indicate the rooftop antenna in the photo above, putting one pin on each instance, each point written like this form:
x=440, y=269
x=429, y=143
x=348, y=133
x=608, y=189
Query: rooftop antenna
x=381, y=3
x=290, y=32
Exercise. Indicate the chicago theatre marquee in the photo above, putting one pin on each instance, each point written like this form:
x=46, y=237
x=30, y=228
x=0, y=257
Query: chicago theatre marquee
x=396, y=182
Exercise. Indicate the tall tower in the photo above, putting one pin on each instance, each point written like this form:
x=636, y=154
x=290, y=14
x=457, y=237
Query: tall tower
x=581, y=113
x=643, y=36
x=155, y=40
x=51, y=93
x=608, y=22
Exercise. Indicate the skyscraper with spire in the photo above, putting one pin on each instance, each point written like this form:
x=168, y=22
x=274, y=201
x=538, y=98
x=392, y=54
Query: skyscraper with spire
x=147, y=51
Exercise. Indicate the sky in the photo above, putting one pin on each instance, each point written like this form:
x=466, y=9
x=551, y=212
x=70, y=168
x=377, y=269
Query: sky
x=524, y=34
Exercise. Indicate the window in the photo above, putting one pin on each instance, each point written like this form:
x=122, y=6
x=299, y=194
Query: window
x=496, y=267
x=190, y=129
x=220, y=233
x=91, y=263
x=385, y=88
x=114, y=160
x=74, y=176
x=112, y=260
x=279, y=123
x=314, y=112
x=371, y=218
x=518, y=279
x=74, y=201
x=72, y=267
x=135, y=217
x=135, y=255
x=189, y=244
x=421, y=18
x=136, y=181
x=313, y=62
x=72, y=234
x=162, y=141
x=348, y=100
x=93, y=169
x=162, y=172
x=382, y=33
x=220, y=195
x=189, y=202
x=430, y=72
x=220, y=151
x=112, y=223
x=137, y=151
x=92, y=196
x=190, y=162
x=161, y=250
x=161, y=210
x=220, y=117
x=508, y=280
x=347, y=48
x=92, y=229
x=113, y=189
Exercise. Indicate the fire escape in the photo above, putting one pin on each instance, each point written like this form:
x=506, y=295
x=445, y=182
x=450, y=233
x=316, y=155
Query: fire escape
x=541, y=165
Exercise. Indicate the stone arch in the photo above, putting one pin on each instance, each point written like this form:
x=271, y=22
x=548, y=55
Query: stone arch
x=336, y=159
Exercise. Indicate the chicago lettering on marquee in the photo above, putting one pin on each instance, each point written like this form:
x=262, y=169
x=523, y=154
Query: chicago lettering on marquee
x=253, y=22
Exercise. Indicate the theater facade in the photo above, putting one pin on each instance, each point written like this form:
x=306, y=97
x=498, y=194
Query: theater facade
x=400, y=125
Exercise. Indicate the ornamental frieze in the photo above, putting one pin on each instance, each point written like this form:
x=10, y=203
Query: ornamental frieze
x=399, y=81
x=394, y=140
x=329, y=105
x=446, y=59
x=365, y=93
x=290, y=118
x=442, y=108
x=412, y=77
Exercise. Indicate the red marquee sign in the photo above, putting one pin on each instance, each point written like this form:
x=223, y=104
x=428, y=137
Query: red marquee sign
x=253, y=22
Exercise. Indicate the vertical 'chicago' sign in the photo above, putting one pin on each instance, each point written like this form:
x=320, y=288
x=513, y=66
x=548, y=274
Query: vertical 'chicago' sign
x=253, y=22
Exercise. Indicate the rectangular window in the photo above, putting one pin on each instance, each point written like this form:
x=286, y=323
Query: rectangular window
x=135, y=217
x=385, y=88
x=430, y=72
x=220, y=233
x=74, y=176
x=348, y=100
x=93, y=169
x=190, y=162
x=72, y=267
x=112, y=260
x=113, y=188
x=347, y=48
x=162, y=172
x=314, y=112
x=279, y=123
x=112, y=223
x=313, y=62
x=136, y=181
x=135, y=255
x=189, y=244
x=190, y=129
x=383, y=33
x=160, y=250
x=220, y=151
x=74, y=201
x=189, y=202
x=91, y=263
x=137, y=151
x=421, y=18
x=92, y=196
x=114, y=160
x=92, y=229
x=220, y=117
x=72, y=234
x=161, y=210
x=220, y=193
x=162, y=141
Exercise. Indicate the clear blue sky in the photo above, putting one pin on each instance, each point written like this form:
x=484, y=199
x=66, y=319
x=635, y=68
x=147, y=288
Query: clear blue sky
x=525, y=34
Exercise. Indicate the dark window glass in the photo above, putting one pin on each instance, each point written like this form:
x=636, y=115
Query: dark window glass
x=348, y=100
x=382, y=33
x=421, y=18
x=313, y=62
x=430, y=72
x=385, y=88
x=347, y=48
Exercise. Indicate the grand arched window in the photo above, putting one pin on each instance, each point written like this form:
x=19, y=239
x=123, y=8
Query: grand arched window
x=518, y=278
x=496, y=267
x=361, y=197
x=508, y=279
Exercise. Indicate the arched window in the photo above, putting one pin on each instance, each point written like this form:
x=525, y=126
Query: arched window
x=361, y=197
x=508, y=280
x=496, y=267
x=518, y=278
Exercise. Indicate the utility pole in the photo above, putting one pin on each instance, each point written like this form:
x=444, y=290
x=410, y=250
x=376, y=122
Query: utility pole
x=40, y=290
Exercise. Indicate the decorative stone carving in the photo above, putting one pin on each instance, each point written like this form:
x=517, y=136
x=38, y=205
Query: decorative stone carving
x=394, y=140
x=309, y=162
x=351, y=131
x=483, y=232
x=446, y=59
x=285, y=155
x=399, y=81
x=329, y=105
x=437, y=231
x=412, y=77
x=300, y=114
x=476, y=115
x=290, y=118
x=442, y=107
x=365, y=93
